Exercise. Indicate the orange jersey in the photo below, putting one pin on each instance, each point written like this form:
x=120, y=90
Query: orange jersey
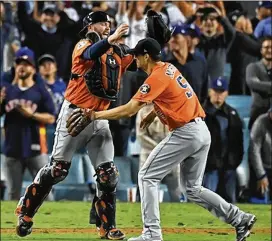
x=174, y=100
x=77, y=92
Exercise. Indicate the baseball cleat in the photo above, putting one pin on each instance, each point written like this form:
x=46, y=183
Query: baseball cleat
x=243, y=229
x=113, y=234
x=24, y=226
x=144, y=238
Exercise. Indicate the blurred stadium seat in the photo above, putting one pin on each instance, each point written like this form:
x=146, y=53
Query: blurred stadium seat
x=242, y=103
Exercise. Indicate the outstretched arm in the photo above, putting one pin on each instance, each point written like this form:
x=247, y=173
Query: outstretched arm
x=127, y=110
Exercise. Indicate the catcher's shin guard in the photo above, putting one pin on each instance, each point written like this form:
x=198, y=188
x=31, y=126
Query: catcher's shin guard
x=94, y=218
x=36, y=193
x=107, y=179
x=106, y=209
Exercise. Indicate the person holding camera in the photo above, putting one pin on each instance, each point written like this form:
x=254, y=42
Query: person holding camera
x=214, y=43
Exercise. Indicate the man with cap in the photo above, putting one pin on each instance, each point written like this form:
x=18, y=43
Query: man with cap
x=188, y=142
x=187, y=59
x=10, y=76
x=264, y=10
x=260, y=149
x=48, y=70
x=28, y=107
x=264, y=27
x=97, y=65
x=226, y=151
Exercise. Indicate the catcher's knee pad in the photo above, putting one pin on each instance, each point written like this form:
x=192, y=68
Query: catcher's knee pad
x=36, y=192
x=107, y=177
x=53, y=173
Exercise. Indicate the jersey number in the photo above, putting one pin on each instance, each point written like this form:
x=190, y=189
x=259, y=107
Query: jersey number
x=185, y=85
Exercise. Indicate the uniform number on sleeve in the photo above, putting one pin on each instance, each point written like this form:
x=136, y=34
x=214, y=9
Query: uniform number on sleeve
x=185, y=85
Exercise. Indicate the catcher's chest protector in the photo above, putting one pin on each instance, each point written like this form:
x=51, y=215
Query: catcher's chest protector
x=103, y=80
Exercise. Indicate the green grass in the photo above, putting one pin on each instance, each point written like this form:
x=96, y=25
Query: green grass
x=75, y=215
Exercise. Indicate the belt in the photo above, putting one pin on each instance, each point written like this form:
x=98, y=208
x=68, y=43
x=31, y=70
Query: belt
x=197, y=119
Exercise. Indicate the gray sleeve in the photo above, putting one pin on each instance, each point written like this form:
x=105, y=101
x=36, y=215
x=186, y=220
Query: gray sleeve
x=254, y=83
x=255, y=146
x=229, y=31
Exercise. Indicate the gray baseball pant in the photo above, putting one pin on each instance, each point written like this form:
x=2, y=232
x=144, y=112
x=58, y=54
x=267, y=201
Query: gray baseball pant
x=14, y=172
x=96, y=137
x=188, y=146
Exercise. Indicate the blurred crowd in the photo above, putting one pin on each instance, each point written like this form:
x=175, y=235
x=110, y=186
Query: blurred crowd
x=221, y=48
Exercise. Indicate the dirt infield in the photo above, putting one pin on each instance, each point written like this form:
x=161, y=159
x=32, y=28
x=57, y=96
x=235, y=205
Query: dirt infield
x=138, y=230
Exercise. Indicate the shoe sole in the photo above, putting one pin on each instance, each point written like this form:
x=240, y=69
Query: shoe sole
x=250, y=226
x=20, y=234
x=120, y=238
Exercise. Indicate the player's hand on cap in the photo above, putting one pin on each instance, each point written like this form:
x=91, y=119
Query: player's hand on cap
x=78, y=120
x=148, y=120
x=118, y=34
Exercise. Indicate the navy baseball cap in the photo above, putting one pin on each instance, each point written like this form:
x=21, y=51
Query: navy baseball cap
x=265, y=4
x=46, y=57
x=147, y=46
x=220, y=84
x=187, y=29
x=25, y=54
x=235, y=15
x=50, y=9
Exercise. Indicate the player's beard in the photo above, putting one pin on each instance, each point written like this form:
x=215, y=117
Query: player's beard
x=24, y=76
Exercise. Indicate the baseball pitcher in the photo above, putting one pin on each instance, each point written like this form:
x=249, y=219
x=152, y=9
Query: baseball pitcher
x=188, y=142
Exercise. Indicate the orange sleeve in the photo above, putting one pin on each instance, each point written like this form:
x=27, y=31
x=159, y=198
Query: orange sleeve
x=151, y=89
x=81, y=46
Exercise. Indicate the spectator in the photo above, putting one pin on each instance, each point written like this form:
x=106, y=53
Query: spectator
x=245, y=50
x=9, y=36
x=226, y=151
x=186, y=62
x=48, y=70
x=263, y=11
x=259, y=80
x=260, y=150
x=149, y=138
x=9, y=76
x=135, y=18
x=28, y=107
x=53, y=35
x=214, y=44
x=264, y=27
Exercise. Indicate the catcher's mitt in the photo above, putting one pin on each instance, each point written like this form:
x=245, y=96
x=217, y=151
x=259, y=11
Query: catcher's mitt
x=78, y=120
x=157, y=28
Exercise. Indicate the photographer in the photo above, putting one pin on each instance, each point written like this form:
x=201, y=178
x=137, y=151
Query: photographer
x=214, y=44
